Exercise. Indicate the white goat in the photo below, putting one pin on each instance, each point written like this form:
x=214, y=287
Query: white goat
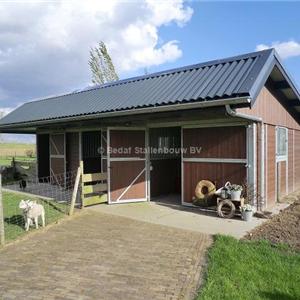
x=32, y=211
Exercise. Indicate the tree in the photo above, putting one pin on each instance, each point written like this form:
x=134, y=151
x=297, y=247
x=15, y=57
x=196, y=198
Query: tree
x=101, y=65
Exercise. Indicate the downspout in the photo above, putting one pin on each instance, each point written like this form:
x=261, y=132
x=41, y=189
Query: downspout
x=235, y=114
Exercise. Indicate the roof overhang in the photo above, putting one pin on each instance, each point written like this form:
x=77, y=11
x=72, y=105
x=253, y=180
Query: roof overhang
x=31, y=127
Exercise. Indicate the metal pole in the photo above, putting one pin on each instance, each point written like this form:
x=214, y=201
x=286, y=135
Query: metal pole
x=2, y=237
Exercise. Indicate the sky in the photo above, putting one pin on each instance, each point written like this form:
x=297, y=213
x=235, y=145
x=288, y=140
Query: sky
x=44, y=45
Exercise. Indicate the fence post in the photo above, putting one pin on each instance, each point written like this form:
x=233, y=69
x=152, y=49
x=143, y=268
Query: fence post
x=75, y=190
x=2, y=237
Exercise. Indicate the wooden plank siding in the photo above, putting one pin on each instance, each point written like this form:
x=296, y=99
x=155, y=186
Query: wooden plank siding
x=271, y=165
x=291, y=160
x=57, y=158
x=127, y=171
x=216, y=142
x=269, y=107
x=297, y=159
x=72, y=151
x=127, y=140
x=282, y=178
x=217, y=173
x=258, y=164
x=122, y=174
x=219, y=143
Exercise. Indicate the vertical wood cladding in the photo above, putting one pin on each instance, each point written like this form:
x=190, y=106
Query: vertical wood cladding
x=258, y=161
x=218, y=173
x=297, y=158
x=282, y=178
x=43, y=155
x=57, y=170
x=290, y=160
x=269, y=106
x=72, y=152
x=271, y=165
x=216, y=142
x=129, y=141
x=57, y=144
x=122, y=174
x=57, y=158
x=127, y=176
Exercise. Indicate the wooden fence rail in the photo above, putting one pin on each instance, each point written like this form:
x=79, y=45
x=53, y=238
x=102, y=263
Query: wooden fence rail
x=93, y=187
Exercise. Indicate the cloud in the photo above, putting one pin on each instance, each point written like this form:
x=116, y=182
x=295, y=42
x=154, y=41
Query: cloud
x=44, y=45
x=5, y=110
x=284, y=49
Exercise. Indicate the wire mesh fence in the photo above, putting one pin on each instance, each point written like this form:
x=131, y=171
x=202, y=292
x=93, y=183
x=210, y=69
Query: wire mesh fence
x=28, y=201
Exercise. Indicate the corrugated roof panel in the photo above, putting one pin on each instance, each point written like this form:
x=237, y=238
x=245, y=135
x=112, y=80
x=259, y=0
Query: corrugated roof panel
x=217, y=79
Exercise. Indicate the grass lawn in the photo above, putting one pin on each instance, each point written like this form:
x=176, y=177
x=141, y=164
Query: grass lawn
x=17, y=150
x=6, y=160
x=251, y=270
x=13, y=219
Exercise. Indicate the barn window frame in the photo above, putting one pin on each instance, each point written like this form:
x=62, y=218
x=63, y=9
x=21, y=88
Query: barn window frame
x=281, y=143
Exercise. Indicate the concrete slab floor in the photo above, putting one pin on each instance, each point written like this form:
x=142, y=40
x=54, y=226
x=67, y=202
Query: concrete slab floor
x=180, y=217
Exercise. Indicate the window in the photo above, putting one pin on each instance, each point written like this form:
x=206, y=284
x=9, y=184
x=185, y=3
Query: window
x=281, y=142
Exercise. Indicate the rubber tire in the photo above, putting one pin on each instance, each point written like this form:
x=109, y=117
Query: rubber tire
x=231, y=206
x=211, y=189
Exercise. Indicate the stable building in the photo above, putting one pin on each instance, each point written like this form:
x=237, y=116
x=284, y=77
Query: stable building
x=234, y=119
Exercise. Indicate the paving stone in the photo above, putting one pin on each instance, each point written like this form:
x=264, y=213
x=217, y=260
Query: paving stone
x=101, y=256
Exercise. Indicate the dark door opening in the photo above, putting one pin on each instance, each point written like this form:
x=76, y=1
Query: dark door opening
x=165, y=158
x=91, y=156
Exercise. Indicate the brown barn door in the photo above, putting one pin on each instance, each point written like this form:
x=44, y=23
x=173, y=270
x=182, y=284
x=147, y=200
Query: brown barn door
x=57, y=158
x=126, y=158
x=217, y=154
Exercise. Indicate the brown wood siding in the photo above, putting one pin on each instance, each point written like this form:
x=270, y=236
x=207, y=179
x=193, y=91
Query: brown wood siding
x=57, y=144
x=217, y=142
x=282, y=178
x=72, y=143
x=271, y=157
x=297, y=159
x=165, y=177
x=128, y=140
x=57, y=164
x=218, y=173
x=57, y=170
x=270, y=109
x=258, y=163
x=291, y=161
x=43, y=155
x=122, y=174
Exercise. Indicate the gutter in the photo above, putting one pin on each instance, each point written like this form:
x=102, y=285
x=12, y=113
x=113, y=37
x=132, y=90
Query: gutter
x=235, y=114
x=162, y=108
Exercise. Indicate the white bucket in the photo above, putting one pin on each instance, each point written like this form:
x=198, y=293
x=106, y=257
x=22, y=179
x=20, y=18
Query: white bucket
x=235, y=195
x=247, y=216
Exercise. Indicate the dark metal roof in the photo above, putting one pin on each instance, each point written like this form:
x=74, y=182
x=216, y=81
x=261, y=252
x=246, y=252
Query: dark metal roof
x=234, y=77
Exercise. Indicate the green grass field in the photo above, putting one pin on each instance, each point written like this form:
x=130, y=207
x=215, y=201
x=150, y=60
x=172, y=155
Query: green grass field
x=251, y=270
x=16, y=150
x=13, y=218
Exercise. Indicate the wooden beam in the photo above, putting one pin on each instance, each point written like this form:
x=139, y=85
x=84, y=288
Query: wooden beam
x=94, y=177
x=75, y=191
x=97, y=188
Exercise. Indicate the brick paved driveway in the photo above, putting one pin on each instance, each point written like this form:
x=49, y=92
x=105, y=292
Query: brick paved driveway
x=100, y=256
